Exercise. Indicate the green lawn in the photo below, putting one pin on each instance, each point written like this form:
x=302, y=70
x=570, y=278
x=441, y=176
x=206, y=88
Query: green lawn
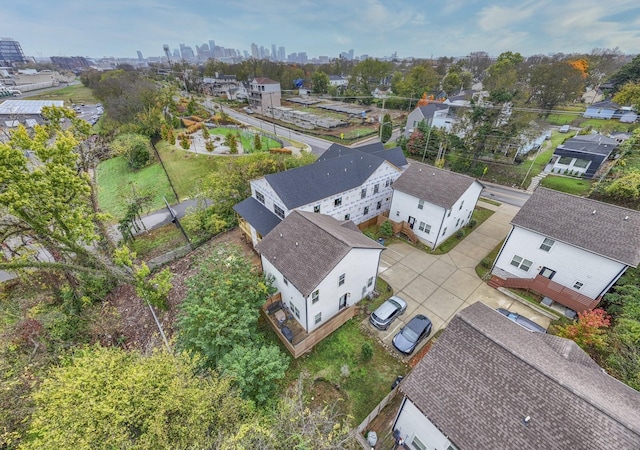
x=483, y=268
x=576, y=186
x=77, y=93
x=115, y=183
x=247, y=138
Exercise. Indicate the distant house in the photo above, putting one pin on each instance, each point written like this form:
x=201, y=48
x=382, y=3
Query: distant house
x=583, y=154
x=435, y=114
x=610, y=110
x=320, y=265
x=488, y=383
x=26, y=112
x=570, y=249
x=434, y=202
x=338, y=81
x=264, y=94
x=226, y=85
x=347, y=184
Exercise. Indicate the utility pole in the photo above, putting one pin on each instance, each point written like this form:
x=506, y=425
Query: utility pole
x=175, y=220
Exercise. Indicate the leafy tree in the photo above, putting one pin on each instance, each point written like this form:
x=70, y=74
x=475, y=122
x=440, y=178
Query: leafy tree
x=421, y=79
x=257, y=142
x=625, y=188
x=588, y=332
x=134, y=148
x=555, y=83
x=630, y=72
x=205, y=132
x=367, y=75
x=478, y=63
x=105, y=398
x=231, y=142
x=386, y=128
x=503, y=77
x=320, y=81
x=629, y=95
x=220, y=310
x=256, y=369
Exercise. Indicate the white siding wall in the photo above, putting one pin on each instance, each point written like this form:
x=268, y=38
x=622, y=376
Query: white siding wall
x=414, y=118
x=359, y=265
x=570, y=263
x=412, y=423
x=270, y=197
x=352, y=201
x=404, y=205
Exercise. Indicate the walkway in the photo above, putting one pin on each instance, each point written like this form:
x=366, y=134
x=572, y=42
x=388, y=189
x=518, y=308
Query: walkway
x=438, y=286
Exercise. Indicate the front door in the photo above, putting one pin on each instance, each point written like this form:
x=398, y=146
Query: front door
x=411, y=221
x=343, y=302
x=547, y=273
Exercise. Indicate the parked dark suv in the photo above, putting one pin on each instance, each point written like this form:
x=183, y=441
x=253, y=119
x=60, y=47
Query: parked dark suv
x=418, y=328
x=386, y=313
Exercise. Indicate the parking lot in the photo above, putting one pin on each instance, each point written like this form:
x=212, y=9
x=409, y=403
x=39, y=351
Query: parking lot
x=438, y=286
x=90, y=113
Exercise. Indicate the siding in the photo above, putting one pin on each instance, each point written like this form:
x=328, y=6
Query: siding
x=570, y=263
x=412, y=423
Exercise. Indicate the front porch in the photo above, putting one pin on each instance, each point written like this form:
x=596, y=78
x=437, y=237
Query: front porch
x=296, y=339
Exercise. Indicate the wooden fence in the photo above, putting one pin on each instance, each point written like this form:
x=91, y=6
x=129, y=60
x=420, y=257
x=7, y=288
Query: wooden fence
x=372, y=415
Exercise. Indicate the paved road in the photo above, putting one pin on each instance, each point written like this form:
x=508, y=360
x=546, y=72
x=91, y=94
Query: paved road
x=318, y=145
x=504, y=194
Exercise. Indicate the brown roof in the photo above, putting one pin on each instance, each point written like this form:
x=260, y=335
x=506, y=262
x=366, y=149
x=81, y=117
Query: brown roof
x=600, y=228
x=437, y=186
x=486, y=374
x=306, y=246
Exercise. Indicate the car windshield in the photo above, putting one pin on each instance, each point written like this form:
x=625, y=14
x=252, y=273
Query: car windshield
x=409, y=334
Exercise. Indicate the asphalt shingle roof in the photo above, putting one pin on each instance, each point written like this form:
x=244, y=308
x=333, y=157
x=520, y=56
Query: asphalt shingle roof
x=437, y=186
x=601, y=228
x=485, y=374
x=591, y=143
x=257, y=215
x=322, y=179
x=394, y=155
x=430, y=109
x=306, y=246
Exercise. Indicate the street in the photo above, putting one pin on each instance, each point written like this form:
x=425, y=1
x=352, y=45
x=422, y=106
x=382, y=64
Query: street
x=504, y=194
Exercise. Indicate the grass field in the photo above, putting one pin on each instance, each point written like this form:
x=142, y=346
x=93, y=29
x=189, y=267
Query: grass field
x=115, y=183
x=576, y=186
x=247, y=139
x=77, y=93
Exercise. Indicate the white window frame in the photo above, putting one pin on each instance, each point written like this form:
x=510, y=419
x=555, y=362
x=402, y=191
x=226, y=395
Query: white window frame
x=260, y=197
x=420, y=204
x=341, y=279
x=315, y=296
x=578, y=285
x=547, y=244
x=370, y=281
x=376, y=188
x=521, y=263
x=363, y=193
x=318, y=318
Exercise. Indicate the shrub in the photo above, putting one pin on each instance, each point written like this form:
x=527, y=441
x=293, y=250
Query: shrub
x=209, y=146
x=134, y=148
x=367, y=351
x=473, y=223
x=185, y=143
x=232, y=142
x=257, y=142
x=285, y=151
x=205, y=133
x=386, y=229
x=460, y=233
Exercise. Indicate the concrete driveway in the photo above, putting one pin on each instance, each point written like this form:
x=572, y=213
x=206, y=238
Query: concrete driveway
x=438, y=286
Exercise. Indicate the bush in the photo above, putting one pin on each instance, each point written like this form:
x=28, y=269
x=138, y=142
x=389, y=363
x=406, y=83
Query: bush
x=257, y=142
x=386, y=229
x=367, y=351
x=460, y=233
x=473, y=223
x=209, y=146
x=134, y=148
x=285, y=151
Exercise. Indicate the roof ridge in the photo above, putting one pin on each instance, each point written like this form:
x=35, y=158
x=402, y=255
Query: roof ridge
x=587, y=199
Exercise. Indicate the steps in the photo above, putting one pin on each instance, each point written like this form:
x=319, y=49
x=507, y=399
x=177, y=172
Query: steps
x=535, y=181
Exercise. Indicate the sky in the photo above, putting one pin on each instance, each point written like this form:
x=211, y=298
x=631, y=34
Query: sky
x=419, y=28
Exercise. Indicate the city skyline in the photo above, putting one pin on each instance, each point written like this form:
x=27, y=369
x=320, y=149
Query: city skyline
x=373, y=27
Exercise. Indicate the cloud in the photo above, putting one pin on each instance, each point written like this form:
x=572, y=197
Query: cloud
x=495, y=18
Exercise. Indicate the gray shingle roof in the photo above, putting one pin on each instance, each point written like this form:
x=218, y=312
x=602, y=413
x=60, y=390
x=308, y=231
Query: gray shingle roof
x=257, y=215
x=322, y=179
x=486, y=373
x=306, y=246
x=429, y=110
x=394, y=155
x=611, y=231
x=592, y=143
x=437, y=186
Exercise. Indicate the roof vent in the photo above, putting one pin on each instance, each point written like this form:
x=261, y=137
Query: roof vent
x=526, y=420
x=626, y=217
x=593, y=213
x=296, y=244
x=419, y=170
x=280, y=234
x=345, y=169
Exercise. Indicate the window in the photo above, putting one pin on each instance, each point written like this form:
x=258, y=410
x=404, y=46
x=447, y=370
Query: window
x=397, y=213
x=469, y=216
x=318, y=318
x=417, y=444
x=379, y=204
x=461, y=205
x=279, y=211
x=449, y=214
x=295, y=310
x=260, y=197
x=316, y=209
x=286, y=282
x=420, y=204
x=577, y=285
x=370, y=281
x=363, y=193
x=376, y=188
x=347, y=217
x=337, y=202
x=521, y=263
x=566, y=160
x=547, y=244
x=444, y=231
x=581, y=163
x=386, y=183
x=341, y=280
x=366, y=210
x=424, y=227
x=457, y=222
x=315, y=296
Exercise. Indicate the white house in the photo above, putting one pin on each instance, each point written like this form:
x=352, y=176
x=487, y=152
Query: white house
x=568, y=248
x=434, y=202
x=436, y=114
x=319, y=265
x=488, y=383
x=338, y=81
x=264, y=94
x=347, y=184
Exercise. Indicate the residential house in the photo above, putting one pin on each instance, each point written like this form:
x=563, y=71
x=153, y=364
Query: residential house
x=488, y=383
x=436, y=114
x=570, y=249
x=583, y=155
x=264, y=94
x=347, y=184
x=434, y=202
x=338, y=81
x=226, y=85
x=607, y=109
x=319, y=265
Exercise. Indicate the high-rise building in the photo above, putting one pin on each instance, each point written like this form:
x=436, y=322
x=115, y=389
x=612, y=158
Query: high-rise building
x=140, y=58
x=186, y=52
x=274, y=54
x=254, y=51
x=11, y=52
x=212, y=46
x=282, y=56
